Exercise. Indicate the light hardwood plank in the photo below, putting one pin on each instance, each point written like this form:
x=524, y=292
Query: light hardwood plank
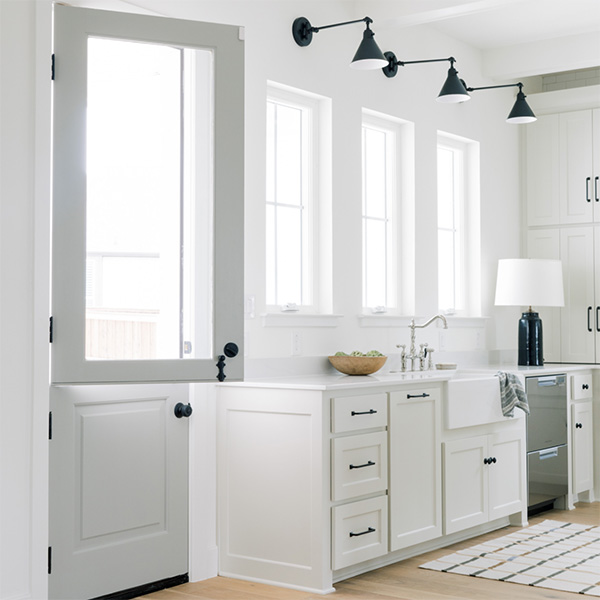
x=400, y=581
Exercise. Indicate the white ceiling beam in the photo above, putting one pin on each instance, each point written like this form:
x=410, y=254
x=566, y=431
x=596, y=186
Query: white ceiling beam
x=567, y=53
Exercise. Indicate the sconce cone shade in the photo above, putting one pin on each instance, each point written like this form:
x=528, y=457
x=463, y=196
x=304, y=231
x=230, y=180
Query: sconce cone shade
x=368, y=56
x=521, y=111
x=453, y=90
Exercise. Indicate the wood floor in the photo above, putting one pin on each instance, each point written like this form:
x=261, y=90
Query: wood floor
x=401, y=581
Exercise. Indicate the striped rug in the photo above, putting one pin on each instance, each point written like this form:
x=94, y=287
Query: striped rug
x=552, y=554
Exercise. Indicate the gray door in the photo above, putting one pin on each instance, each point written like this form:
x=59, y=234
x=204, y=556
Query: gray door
x=147, y=282
x=118, y=488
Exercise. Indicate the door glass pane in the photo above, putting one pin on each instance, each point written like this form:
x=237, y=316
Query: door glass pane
x=149, y=201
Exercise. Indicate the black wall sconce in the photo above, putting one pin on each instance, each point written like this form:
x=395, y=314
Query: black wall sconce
x=521, y=111
x=368, y=55
x=452, y=91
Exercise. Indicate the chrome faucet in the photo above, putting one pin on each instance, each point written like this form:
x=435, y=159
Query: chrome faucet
x=422, y=354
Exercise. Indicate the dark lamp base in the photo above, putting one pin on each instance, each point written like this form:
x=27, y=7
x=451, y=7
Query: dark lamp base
x=531, y=347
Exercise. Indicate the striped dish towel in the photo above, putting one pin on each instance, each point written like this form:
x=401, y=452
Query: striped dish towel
x=512, y=394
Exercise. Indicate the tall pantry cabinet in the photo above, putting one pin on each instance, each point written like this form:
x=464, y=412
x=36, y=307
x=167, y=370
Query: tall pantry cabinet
x=563, y=218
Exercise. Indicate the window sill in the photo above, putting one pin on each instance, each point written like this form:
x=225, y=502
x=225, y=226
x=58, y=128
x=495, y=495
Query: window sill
x=402, y=321
x=383, y=320
x=300, y=320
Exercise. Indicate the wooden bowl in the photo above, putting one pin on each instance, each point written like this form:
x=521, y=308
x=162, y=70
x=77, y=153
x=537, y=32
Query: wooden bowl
x=357, y=365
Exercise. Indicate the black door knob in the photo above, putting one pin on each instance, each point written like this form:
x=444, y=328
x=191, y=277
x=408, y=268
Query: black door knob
x=183, y=410
x=231, y=349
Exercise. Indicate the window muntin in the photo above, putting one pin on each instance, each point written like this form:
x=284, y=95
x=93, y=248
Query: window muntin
x=292, y=133
x=379, y=168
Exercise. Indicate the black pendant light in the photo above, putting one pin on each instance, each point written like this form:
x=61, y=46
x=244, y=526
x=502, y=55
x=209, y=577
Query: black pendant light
x=453, y=89
x=521, y=111
x=368, y=55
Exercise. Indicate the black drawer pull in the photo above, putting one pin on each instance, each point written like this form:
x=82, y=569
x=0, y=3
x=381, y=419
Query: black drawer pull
x=423, y=395
x=367, y=464
x=355, y=413
x=585, y=386
x=578, y=426
x=489, y=461
x=369, y=530
x=587, y=189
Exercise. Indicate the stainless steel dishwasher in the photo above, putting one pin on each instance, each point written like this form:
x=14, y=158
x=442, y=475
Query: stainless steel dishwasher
x=547, y=464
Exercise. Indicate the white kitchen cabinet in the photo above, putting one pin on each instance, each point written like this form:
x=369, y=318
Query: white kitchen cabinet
x=578, y=167
x=359, y=465
x=360, y=532
x=543, y=171
x=415, y=461
x=563, y=169
x=563, y=196
x=317, y=484
x=483, y=478
x=582, y=446
x=545, y=243
x=580, y=315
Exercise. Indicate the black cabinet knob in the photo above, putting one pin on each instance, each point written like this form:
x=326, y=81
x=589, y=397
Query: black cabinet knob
x=182, y=410
x=578, y=425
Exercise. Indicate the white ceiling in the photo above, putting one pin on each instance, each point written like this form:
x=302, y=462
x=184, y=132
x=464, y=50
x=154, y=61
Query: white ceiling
x=517, y=37
x=493, y=23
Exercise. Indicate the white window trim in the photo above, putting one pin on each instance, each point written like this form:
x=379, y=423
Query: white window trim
x=469, y=224
x=400, y=212
x=317, y=266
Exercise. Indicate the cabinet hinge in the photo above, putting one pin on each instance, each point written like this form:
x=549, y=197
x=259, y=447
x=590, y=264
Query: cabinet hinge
x=51, y=329
x=50, y=425
x=52, y=68
x=49, y=560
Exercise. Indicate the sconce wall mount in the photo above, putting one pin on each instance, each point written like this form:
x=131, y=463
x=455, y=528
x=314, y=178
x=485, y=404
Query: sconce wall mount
x=368, y=55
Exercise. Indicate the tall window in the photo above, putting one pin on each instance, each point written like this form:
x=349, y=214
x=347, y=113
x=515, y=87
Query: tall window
x=458, y=225
x=379, y=169
x=292, y=135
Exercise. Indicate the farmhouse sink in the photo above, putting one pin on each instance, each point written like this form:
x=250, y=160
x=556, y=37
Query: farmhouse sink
x=472, y=398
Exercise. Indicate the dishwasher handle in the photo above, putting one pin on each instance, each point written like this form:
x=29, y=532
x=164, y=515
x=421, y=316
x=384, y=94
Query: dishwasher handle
x=550, y=381
x=548, y=453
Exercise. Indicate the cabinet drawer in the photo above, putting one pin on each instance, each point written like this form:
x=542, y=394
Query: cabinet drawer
x=359, y=532
x=581, y=387
x=359, y=465
x=358, y=412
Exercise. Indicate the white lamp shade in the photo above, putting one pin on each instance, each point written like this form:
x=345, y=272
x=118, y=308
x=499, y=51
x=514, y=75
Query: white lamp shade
x=529, y=282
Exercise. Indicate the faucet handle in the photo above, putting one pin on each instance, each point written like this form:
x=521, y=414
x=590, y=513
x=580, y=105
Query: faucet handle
x=403, y=346
x=430, y=363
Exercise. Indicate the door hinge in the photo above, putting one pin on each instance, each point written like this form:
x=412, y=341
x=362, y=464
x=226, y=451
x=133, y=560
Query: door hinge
x=52, y=68
x=49, y=560
x=51, y=330
x=50, y=425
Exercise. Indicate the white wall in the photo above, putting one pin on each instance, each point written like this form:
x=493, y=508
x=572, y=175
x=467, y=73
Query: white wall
x=270, y=54
x=23, y=320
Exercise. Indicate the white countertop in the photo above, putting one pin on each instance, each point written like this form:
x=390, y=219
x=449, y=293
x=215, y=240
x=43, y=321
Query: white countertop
x=339, y=381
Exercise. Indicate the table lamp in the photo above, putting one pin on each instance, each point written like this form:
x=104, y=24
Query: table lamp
x=530, y=282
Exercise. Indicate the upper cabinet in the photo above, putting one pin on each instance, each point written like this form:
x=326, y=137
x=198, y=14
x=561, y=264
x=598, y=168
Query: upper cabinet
x=543, y=171
x=563, y=169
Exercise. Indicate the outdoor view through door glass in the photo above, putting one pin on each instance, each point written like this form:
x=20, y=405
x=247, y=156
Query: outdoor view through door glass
x=149, y=247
